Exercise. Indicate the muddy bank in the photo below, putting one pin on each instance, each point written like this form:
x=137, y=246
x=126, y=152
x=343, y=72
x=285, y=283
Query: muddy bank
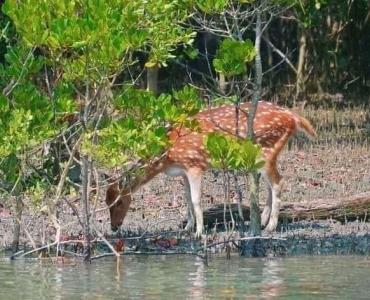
x=352, y=238
x=300, y=238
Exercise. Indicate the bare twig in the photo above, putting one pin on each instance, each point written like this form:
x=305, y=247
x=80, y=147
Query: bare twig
x=106, y=242
x=281, y=54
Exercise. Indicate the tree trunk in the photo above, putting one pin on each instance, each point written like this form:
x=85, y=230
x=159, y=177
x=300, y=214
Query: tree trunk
x=255, y=214
x=17, y=224
x=85, y=174
x=222, y=83
x=240, y=199
x=152, y=79
x=300, y=65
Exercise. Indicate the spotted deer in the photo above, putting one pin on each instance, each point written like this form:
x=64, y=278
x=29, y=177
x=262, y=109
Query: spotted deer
x=188, y=157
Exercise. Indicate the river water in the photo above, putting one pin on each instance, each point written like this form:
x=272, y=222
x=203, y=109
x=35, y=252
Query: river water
x=187, y=277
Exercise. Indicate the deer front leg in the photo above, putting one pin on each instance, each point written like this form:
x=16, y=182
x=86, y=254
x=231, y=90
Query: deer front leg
x=195, y=180
x=190, y=210
x=267, y=209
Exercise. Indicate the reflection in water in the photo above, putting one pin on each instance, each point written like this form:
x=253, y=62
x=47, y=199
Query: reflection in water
x=58, y=284
x=272, y=279
x=119, y=266
x=186, y=277
x=197, y=280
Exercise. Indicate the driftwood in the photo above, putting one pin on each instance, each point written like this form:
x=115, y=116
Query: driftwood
x=344, y=209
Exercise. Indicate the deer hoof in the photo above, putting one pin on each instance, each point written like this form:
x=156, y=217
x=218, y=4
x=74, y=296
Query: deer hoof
x=189, y=227
x=198, y=235
x=265, y=216
x=271, y=226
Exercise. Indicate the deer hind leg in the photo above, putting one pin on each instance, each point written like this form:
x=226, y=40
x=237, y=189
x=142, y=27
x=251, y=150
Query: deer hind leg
x=275, y=181
x=190, y=224
x=194, y=177
x=268, y=207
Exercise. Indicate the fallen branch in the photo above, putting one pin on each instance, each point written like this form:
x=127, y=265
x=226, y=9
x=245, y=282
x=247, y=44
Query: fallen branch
x=345, y=209
x=14, y=256
x=126, y=253
x=21, y=254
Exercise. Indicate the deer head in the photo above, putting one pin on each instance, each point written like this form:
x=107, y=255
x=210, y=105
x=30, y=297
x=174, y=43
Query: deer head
x=118, y=202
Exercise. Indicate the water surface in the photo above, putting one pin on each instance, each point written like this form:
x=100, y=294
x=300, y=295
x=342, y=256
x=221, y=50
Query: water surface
x=187, y=277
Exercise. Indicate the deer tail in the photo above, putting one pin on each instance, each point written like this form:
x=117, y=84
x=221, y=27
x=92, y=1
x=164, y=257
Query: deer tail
x=304, y=125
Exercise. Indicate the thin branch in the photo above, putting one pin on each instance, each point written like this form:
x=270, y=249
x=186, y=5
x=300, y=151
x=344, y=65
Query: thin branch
x=280, y=53
x=66, y=169
x=27, y=233
x=100, y=235
x=14, y=256
x=12, y=84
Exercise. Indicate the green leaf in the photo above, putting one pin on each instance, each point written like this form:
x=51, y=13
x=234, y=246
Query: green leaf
x=232, y=57
x=228, y=152
x=191, y=52
x=212, y=6
x=79, y=44
x=4, y=105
